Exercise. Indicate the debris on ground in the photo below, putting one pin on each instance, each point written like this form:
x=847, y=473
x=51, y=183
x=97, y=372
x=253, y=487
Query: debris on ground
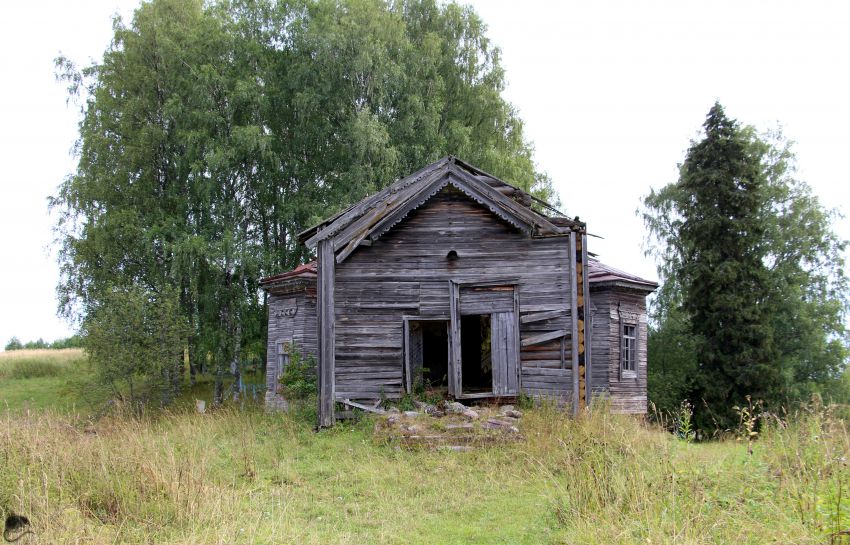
x=448, y=425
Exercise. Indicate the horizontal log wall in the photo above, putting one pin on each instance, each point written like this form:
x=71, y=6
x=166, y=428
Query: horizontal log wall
x=406, y=272
x=299, y=328
x=627, y=395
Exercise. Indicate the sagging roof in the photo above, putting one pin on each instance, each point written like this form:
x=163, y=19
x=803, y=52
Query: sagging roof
x=601, y=275
x=598, y=274
x=307, y=271
x=376, y=214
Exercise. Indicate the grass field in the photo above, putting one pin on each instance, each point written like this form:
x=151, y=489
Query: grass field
x=243, y=476
x=45, y=378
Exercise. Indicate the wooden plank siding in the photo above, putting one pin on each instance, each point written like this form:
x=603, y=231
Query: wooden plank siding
x=445, y=243
x=627, y=395
x=406, y=272
x=298, y=328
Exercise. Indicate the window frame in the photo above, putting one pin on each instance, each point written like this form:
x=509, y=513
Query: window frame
x=629, y=345
x=284, y=348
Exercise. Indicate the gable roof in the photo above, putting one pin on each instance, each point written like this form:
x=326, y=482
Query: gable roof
x=600, y=275
x=380, y=212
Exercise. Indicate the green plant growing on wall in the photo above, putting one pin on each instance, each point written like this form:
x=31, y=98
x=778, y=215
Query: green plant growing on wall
x=298, y=380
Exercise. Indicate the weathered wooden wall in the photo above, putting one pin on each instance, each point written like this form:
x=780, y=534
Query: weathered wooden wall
x=406, y=273
x=627, y=395
x=300, y=328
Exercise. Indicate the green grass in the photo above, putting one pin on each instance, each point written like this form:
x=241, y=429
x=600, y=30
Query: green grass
x=42, y=379
x=239, y=475
x=243, y=476
x=63, y=381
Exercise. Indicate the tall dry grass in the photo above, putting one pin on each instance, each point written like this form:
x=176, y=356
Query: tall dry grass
x=629, y=483
x=247, y=477
x=39, y=363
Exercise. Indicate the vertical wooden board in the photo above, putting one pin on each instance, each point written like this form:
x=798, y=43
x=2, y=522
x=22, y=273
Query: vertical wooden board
x=416, y=355
x=497, y=358
x=516, y=340
x=504, y=324
x=454, y=341
x=512, y=344
x=326, y=263
x=588, y=325
x=499, y=350
x=408, y=383
x=574, y=320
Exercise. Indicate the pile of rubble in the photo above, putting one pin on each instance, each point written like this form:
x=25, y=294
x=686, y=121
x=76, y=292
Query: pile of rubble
x=449, y=425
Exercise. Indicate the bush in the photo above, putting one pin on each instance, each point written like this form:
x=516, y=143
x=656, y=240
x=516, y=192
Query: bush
x=135, y=340
x=299, y=380
x=13, y=344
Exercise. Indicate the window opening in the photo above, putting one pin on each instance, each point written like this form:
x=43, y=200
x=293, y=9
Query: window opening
x=283, y=351
x=629, y=361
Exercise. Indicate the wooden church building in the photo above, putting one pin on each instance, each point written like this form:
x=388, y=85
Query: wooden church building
x=453, y=279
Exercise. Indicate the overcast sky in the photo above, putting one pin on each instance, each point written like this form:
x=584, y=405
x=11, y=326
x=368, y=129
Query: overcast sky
x=611, y=93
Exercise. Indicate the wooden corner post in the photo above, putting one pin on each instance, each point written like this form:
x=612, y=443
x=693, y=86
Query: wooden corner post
x=586, y=326
x=582, y=304
x=327, y=363
x=574, y=323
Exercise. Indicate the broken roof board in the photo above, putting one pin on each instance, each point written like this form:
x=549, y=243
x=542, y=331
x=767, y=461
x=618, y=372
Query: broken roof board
x=372, y=216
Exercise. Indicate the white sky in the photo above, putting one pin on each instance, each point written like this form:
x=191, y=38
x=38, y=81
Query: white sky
x=611, y=93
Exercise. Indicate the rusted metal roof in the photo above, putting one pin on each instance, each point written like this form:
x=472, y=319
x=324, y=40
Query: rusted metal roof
x=306, y=271
x=599, y=274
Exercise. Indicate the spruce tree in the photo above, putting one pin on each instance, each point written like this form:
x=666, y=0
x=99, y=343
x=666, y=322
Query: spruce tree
x=723, y=273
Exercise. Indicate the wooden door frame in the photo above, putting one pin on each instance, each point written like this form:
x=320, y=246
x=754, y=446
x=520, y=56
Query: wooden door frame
x=455, y=357
x=408, y=383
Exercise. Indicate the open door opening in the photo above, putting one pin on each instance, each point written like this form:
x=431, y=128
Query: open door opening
x=435, y=354
x=476, y=354
x=428, y=354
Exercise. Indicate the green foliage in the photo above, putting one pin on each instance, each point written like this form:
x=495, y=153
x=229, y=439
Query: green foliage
x=213, y=133
x=673, y=356
x=74, y=341
x=754, y=291
x=299, y=379
x=36, y=345
x=135, y=342
x=684, y=422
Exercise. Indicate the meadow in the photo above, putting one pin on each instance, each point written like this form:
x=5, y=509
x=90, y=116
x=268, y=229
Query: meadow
x=44, y=378
x=240, y=475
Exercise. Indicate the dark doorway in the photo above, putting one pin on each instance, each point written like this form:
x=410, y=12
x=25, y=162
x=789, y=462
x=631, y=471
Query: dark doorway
x=435, y=353
x=476, y=357
x=428, y=354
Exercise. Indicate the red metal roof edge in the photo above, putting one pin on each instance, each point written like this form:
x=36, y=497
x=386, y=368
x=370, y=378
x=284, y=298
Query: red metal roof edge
x=306, y=270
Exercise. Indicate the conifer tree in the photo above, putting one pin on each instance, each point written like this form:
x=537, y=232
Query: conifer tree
x=723, y=271
x=754, y=292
